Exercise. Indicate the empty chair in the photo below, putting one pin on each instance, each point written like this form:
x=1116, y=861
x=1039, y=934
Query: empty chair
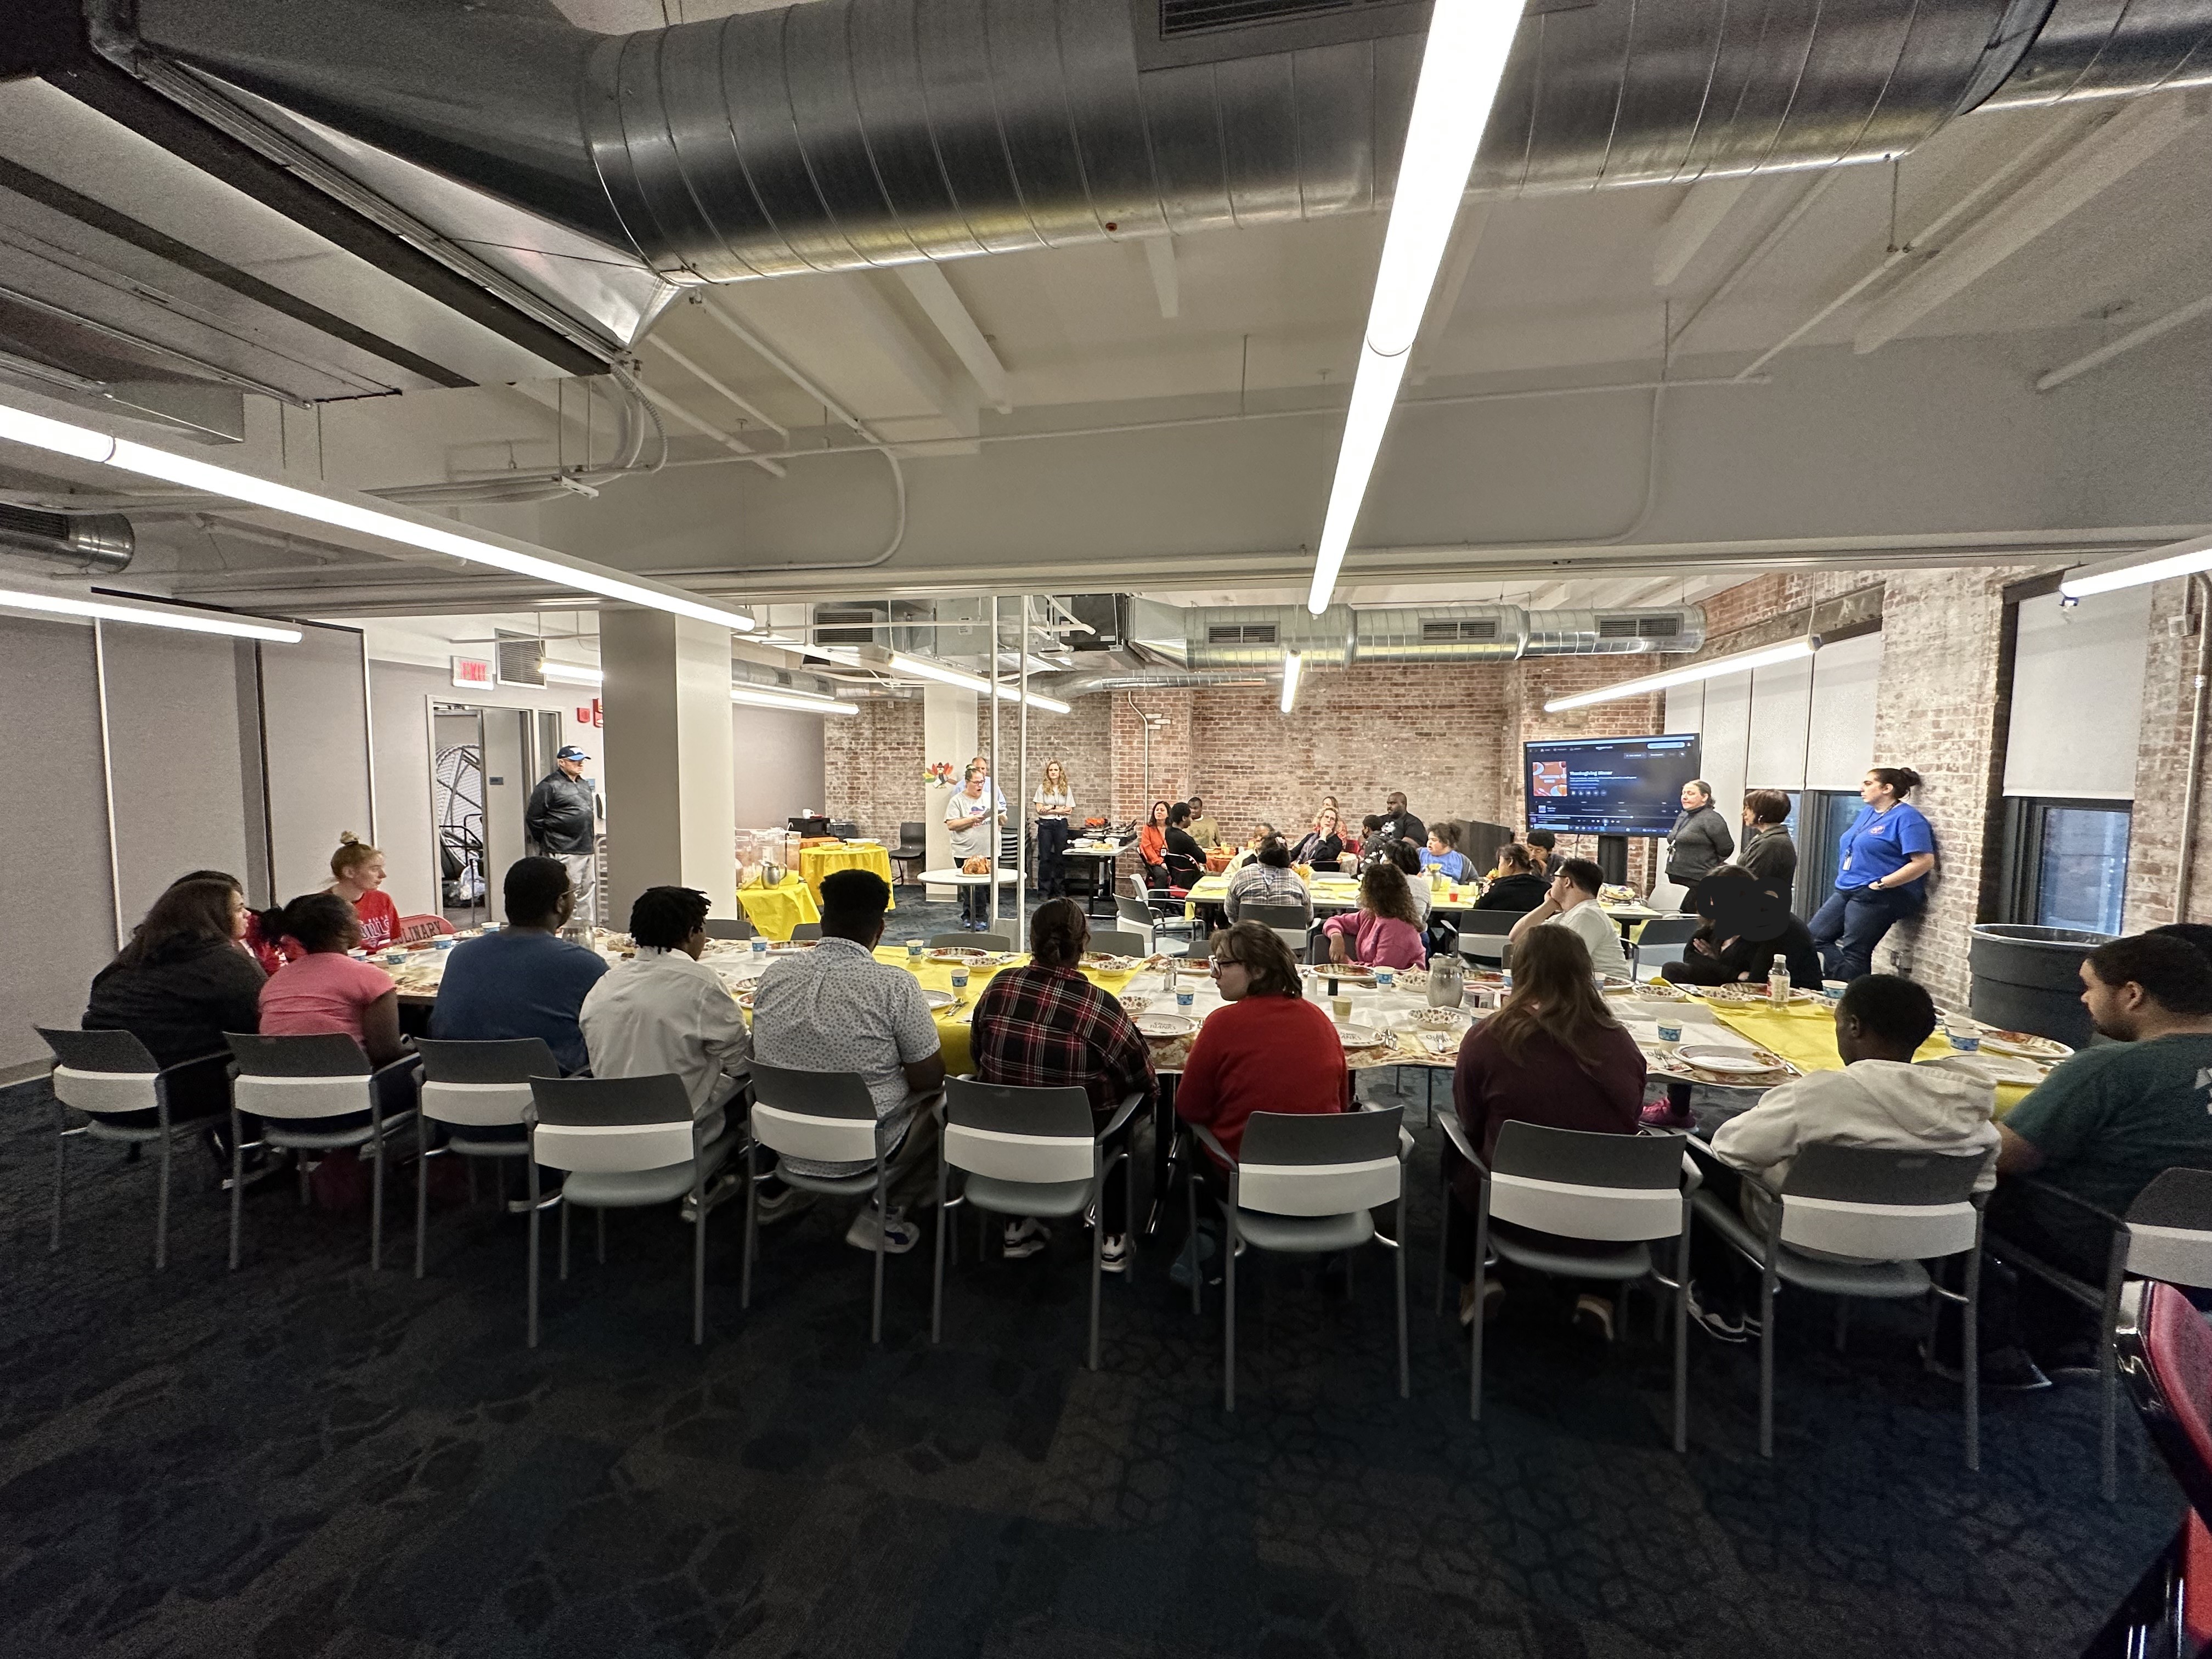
x=317, y=1094
x=913, y=847
x=112, y=1080
x=1166, y=910
x=844, y=829
x=1666, y=895
x=1627, y=1191
x=1024, y=1152
x=1306, y=1185
x=1860, y=1221
x=1482, y=936
x=1120, y=943
x=971, y=942
x=2166, y=1355
x=730, y=927
x=1136, y=918
x=1289, y=923
x=1661, y=941
x=2166, y=1235
x=806, y=930
x=825, y=1117
x=626, y=1143
x=469, y=1089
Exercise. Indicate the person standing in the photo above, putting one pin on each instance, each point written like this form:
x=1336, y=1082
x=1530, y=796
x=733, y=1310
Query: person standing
x=1056, y=805
x=1699, y=844
x=973, y=823
x=1882, y=873
x=357, y=877
x=1768, y=852
x=563, y=818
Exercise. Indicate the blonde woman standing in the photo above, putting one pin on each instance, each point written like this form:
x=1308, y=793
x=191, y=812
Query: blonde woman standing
x=1054, y=801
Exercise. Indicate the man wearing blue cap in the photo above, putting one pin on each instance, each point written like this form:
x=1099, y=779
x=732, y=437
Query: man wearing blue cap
x=564, y=818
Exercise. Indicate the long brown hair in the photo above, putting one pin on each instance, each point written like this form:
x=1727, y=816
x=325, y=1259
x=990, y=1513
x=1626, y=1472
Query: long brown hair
x=193, y=911
x=1383, y=890
x=1554, y=994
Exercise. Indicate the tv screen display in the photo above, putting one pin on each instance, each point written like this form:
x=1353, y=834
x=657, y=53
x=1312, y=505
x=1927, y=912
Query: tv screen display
x=1609, y=785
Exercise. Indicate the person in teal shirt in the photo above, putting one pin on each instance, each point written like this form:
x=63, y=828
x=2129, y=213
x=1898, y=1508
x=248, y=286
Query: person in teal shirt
x=2099, y=1129
x=1882, y=863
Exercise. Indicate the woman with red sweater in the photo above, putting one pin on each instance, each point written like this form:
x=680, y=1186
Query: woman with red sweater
x=1270, y=1050
x=1553, y=1054
x=357, y=877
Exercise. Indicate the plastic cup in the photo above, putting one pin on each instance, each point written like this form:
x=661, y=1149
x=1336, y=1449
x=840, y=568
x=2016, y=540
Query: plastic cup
x=915, y=947
x=441, y=942
x=1669, y=1033
x=491, y=927
x=759, y=945
x=1964, y=1042
x=959, y=980
x=1385, y=978
x=395, y=955
x=1185, y=1000
x=1340, y=1008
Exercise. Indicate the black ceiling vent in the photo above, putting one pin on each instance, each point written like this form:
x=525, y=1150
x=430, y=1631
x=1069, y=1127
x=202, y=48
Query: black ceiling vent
x=864, y=620
x=1666, y=626
x=1172, y=33
x=1481, y=630
x=1241, y=634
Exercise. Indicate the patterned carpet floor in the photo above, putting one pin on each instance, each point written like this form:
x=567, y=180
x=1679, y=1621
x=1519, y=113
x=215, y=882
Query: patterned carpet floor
x=305, y=1458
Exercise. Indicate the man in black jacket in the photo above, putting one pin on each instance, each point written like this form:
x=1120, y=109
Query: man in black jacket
x=1399, y=823
x=563, y=818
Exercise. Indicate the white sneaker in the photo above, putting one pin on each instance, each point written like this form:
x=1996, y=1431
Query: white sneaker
x=899, y=1235
x=1025, y=1237
x=1114, y=1253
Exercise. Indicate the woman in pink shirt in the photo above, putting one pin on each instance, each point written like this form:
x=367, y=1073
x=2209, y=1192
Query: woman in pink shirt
x=1384, y=931
x=324, y=989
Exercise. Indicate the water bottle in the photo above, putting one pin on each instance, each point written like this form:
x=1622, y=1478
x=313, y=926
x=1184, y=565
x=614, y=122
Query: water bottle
x=1777, y=982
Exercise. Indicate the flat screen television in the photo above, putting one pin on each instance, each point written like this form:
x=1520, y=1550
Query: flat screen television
x=1609, y=785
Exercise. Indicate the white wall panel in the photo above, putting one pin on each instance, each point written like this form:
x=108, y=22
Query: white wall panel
x=779, y=764
x=2077, y=696
x=1781, y=713
x=315, y=734
x=1727, y=738
x=1839, y=741
x=1686, y=706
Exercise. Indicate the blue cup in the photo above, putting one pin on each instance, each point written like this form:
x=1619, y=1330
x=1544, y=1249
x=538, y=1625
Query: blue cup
x=760, y=945
x=1385, y=978
x=1185, y=1000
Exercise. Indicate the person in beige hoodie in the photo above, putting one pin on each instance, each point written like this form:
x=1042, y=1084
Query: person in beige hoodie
x=1882, y=1098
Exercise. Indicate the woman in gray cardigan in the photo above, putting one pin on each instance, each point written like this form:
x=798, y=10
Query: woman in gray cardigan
x=1768, y=852
x=1698, y=843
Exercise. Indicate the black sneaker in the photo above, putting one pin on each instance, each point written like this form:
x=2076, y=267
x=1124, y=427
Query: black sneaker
x=1717, y=1323
x=2070, y=1360
x=2008, y=1370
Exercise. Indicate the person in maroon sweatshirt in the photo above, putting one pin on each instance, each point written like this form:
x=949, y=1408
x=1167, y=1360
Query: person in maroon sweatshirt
x=1270, y=1050
x=1553, y=1054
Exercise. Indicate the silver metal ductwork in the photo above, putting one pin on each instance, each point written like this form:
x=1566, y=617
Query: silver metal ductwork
x=91, y=543
x=1217, y=638
x=850, y=133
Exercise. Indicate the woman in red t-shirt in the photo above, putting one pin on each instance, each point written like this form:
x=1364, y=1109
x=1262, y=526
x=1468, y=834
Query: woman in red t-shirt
x=324, y=989
x=1553, y=1054
x=357, y=870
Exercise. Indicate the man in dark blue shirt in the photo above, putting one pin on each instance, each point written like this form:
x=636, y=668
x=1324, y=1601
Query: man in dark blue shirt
x=524, y=981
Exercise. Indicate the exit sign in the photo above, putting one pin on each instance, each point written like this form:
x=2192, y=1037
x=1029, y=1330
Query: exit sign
x=475, y=671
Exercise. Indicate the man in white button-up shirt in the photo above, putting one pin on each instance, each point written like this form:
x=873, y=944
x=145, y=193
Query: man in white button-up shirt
x=665, y=1010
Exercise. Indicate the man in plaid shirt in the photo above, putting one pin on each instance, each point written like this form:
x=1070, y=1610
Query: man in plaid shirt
x=1045, y=1026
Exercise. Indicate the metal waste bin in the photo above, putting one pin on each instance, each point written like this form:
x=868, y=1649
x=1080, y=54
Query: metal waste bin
x=2029, y=979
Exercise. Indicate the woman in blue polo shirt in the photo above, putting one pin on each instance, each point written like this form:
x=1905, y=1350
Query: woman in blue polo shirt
x=1882, y=870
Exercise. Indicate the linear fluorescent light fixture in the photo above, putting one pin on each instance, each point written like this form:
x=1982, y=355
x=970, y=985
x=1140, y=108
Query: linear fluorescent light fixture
x=1293, y=661
x=364, y=515
x=563, y=673
x=1765, y=657
x=945, y=673
x=2154, y=564
x=189, y=621
x=1460, y=67
x=796, y=702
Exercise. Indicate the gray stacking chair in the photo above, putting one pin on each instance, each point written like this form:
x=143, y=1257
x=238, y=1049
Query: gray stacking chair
x=474, y=1087
x=826, y=1117
x=1121, y=944
x=1306, y=1184
x=1135, y=917
x=971, y=942
x=1661, y=942
x=317, y=1094
x=1482, y=936
x=627, y=1143
x=2166, y=1235
x=113, y=1082
x=1024, y=1152
x=730, y=927
x=1628, y=1191
x=1289, y=923
x=1861, y=1221
x=806, y=930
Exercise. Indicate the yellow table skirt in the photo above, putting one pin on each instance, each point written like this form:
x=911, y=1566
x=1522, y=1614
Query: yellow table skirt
x=816, y=862
x=952, y=1023
x=1805, y=1035
x=775, y=911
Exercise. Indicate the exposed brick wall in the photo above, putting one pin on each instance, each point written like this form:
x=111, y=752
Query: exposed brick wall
x=1081, y=741
x=2161, y=774
x=1772, y=594
x=872, y=767
x=1172, y=773
x=1538, y=679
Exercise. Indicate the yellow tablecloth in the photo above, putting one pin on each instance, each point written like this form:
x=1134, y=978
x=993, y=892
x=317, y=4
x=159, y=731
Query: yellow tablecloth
x=775, y=911
x=816, y=862
x=1805, y=1035
x=952, y=1023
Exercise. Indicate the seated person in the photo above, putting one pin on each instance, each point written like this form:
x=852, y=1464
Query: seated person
x=183, y=981
x=1552, y=1054
x=1542, y=844
x=1385, y=931
x=665, y=1011
x=524, y=981
x=1514, y=886
x=1747, y=924
x=1152, y=847
x=1185, y=857
x=1880, y=1098
x=1245, y=853
x=1046, y=1026
x=1442, y=853
x=324, y=989
x=835, y=1008
x=1408, y=858
x=1572, y=903
x=260, y=940
x=1323, y=845
x=357, y=877
x=1268, y=879
x=2099, y=1129
x=1372, y=842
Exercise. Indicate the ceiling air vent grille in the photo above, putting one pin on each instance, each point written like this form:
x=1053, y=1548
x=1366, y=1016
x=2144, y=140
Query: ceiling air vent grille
x=1481, y=630
x=1241, y=634
x=1665, y=627
x=1189, y=16
x=1173, y=33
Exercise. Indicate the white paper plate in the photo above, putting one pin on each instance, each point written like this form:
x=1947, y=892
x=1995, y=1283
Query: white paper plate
x=1728, y=1062
x=1362, y=1036
x=2022, y=1045
x=938, y=998
x=1166, y=1025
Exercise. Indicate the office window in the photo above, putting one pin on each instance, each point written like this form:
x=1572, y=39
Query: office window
x=2066, y=863
x=1818, y=820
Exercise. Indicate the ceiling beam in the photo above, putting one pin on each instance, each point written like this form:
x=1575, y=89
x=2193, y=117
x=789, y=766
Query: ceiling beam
x=747, y=407
x=1167, y=288
x=2116, y=147
x=887, y=331
x=2053, y=379
x=1459, y=263
x=943, y=306
x=1695, y=219
x=668, y=405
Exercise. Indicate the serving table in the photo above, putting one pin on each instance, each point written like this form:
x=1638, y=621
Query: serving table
x=816, y=862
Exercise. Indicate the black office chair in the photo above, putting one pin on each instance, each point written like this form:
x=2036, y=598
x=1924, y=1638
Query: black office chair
x=844, y=829
x=913, y=848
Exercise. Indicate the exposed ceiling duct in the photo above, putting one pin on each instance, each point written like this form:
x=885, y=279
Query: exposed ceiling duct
x=851, y=133
x=1214, y=638
x=90, y=543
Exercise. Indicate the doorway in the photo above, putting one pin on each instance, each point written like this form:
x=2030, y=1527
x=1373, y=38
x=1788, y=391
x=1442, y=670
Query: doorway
x=483, y=765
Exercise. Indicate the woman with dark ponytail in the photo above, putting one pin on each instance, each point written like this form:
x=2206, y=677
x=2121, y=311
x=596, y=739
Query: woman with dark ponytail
x=1882, y=870
x=325, y=989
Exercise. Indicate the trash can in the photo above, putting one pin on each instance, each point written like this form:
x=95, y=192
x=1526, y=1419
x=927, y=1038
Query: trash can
x=2029, y=979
